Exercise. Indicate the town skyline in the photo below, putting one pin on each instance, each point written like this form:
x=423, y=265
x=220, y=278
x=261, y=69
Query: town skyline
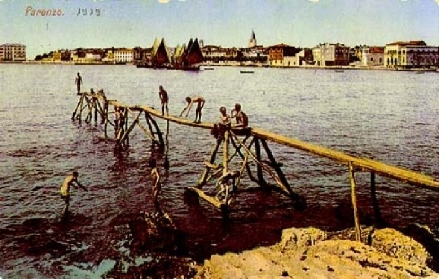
x=301, y=23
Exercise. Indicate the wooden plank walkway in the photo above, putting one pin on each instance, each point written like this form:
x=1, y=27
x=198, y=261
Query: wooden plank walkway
x=362, y=163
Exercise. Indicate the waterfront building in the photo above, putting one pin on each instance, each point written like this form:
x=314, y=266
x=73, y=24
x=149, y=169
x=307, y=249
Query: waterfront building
x=123, y=55
x=12, y=52
x=56, y=56
x=282, y=55
x=331, y=55
x=411, y=54
x=138, y=55
x=87, y=55
x=372, y=56
x=317, y=56
x=108, y=57
x=218, y=54
x=253, y=56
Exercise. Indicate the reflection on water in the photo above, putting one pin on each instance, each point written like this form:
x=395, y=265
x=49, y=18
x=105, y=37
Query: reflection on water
x=387, y=115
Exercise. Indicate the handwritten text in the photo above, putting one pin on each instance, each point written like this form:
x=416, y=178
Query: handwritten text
x=31, y=11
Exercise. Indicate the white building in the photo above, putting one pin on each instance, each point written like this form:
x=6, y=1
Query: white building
x=12, y=52
x=372, y=56
x=331, y=55
x=123, y=55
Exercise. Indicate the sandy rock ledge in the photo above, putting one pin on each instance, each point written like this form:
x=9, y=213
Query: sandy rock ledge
x=312, y=253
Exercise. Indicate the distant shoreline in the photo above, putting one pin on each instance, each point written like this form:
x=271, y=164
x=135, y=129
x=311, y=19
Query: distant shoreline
x=311, y=67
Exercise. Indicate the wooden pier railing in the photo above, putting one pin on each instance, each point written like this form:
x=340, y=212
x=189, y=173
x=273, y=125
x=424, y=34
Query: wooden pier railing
x=248, y=143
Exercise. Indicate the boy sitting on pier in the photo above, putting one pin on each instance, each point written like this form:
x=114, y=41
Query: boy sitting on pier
x=223, y=124
x=240, y=116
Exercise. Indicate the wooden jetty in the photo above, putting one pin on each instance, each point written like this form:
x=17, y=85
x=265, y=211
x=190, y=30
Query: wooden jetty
x=244, y=143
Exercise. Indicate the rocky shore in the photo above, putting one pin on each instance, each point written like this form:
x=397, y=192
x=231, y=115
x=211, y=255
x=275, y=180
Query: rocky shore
x=157, y=249
x=313, y=253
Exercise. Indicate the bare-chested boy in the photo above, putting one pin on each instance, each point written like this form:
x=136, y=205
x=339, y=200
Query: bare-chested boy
x=164, y=100
x=65, y=189
x=200, y=104
x=240, y=116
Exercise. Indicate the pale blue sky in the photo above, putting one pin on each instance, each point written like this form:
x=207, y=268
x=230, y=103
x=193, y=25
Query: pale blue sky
x=302, y=23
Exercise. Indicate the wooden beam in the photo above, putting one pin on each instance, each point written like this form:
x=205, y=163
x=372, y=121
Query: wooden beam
x=212, y=200
x=206, y=171
x=367, y=164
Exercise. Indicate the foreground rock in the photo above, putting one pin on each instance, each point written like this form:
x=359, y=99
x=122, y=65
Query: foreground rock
x=311, y=253
x=151, y=246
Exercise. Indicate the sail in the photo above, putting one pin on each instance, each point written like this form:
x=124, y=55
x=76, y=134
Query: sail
x=161, y=55
x=194, y=54
x=155, y=46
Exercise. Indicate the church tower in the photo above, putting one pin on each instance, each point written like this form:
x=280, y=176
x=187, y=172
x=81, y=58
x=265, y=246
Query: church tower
x=252, y=41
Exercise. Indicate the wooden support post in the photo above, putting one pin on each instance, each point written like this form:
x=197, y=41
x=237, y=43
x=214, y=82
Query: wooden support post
x=226, y=153
x=136, y=120
x=95, y=106
x=151, y=132
x=159, y=134
x=259, y=172
x=166, y=163
x=202, y=180
x=276, y=167
x=354, y=202
x=90, y=110
x=283, y=188
x=81, y=108
x=247, y=167
x=125, y=114
x=244, y=164
x=100, y=110
x=106, y=118
x=76, y=109
x=147, y=132
x=378, y=218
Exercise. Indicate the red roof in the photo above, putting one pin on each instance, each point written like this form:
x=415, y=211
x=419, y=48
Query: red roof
x=282, y=45
x=412, y=43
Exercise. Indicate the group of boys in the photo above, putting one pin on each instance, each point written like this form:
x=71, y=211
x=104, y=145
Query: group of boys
x=225, y=119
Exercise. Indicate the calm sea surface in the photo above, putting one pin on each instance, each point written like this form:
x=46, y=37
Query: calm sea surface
x=391, y=116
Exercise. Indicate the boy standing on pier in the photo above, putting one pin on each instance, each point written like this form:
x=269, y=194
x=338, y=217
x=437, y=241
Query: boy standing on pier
x=164, y=99
x=78, y=82
x=65, y=189
x=200, y=104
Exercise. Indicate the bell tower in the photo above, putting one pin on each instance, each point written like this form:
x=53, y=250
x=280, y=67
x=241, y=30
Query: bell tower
x=252, y=41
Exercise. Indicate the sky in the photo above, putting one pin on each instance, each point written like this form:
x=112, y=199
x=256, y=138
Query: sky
x=227, y=23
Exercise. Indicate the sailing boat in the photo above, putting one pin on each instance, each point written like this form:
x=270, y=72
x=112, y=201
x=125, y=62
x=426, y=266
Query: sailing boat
x=191, y=57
